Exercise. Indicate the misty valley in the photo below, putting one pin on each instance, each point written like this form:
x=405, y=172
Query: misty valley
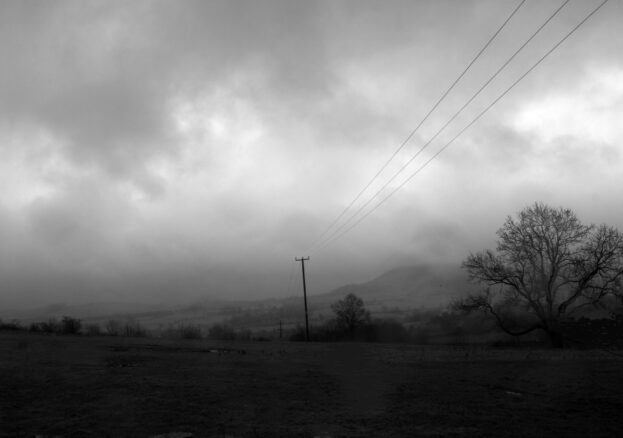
x=244, y=369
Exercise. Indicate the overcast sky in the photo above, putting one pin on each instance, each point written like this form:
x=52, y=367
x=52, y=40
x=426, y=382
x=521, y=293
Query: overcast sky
x=176, y=150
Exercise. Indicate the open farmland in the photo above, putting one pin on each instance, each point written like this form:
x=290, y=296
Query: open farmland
x=84, y=387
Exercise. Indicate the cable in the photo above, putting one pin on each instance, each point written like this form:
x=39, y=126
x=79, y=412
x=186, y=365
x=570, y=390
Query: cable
x=403, y=144
x=456, y=114
x=471, y=123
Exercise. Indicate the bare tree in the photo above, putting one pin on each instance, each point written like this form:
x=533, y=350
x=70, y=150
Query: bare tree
x=350, y=313
x=547, y=266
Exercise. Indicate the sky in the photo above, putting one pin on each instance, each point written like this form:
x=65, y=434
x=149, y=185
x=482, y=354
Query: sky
x=174, y=151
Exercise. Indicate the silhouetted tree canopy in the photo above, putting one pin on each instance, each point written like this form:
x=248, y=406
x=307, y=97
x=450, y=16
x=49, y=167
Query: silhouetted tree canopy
x=547, y=266
x=350, y=313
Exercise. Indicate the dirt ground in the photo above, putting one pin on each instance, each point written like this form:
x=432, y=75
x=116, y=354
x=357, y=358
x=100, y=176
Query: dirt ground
x=116, y=387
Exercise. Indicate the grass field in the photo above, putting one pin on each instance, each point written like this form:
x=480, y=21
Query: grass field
x=119, y=387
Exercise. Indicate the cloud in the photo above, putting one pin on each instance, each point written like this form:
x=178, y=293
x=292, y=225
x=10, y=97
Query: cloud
x=590, y=112
x=200, y=146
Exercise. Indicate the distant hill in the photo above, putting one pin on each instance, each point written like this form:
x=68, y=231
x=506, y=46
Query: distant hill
x=394, y=294
x=390, y=294
x=410, y=286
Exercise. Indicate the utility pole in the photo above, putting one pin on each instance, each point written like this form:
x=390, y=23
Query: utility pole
x=302, y=260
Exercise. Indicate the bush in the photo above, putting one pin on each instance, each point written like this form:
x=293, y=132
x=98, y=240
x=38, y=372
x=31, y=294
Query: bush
x=93, y=330
x=183, y=331
x=51, y=326
x=67, y=326
x=130, y=329
x=35, y=327
x=113, y=327
x=222, y=332
x=189, y=331
x=70, y=326
x=11, y=326
x=384, y=330
x=134, y=329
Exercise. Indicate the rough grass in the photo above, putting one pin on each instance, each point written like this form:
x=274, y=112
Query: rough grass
x=100, y=387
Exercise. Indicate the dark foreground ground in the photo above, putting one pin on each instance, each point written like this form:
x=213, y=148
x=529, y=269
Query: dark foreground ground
x=92, y=387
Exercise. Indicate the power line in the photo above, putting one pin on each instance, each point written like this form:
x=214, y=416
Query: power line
x=403, y=144
x=444, y=147
x=456, y=114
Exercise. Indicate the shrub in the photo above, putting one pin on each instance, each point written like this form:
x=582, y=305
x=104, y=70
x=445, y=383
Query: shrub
x=13, y=325
x=113, y=327
x=183, y=331
x=134, y=329
x=384, y=330
x=93, y=329
x=222, y=332
x=376, y=330
x=51, y=326
x=70, y=326
x=130, y=329
x=35, y=327
x=190, y=332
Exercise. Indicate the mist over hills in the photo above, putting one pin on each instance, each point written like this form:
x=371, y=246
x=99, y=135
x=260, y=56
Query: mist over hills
x=407, y=287
x=412, y=286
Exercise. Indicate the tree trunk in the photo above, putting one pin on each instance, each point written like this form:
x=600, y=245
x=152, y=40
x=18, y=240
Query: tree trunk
x=556, y=337
x=351, y=331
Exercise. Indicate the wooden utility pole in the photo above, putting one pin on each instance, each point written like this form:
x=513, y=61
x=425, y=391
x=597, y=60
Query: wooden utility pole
x=302, y=260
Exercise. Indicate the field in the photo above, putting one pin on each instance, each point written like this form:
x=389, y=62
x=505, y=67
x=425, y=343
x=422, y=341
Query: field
x=120, y=387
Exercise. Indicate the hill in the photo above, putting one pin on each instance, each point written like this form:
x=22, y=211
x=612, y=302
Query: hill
x=392, y=294
x=409, y=286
